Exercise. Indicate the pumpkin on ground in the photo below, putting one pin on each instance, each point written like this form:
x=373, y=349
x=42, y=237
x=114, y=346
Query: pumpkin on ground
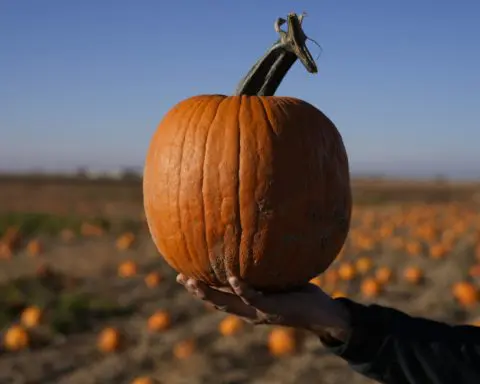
x=127, y=268
x=283, y=341
x=16, y=338
x=34, y=247
x=109, y=340
x=370, y=287
x=153, y=279
x=231, y=325
x=466, y=293
x=31, y=316
x=159, y=321
x=251, y=184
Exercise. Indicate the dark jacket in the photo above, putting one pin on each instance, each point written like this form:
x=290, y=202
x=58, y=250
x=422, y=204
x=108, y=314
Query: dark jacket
x=391, y=347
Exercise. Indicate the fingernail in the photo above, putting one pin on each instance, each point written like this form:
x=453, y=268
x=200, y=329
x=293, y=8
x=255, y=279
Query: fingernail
x=233, y=281
x=181, y=279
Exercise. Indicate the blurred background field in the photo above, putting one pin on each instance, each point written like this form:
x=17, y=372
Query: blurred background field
x=86, y=298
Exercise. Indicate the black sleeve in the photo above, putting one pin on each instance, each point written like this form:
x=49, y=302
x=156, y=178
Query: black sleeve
x=392, y=347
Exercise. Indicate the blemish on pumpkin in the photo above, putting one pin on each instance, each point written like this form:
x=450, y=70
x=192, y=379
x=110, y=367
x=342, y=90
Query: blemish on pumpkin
x=217, y=262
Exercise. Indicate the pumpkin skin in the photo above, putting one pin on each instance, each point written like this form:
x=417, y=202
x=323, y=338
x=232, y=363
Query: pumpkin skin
x=255, y=186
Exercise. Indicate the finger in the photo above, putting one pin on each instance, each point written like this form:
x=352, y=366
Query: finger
x=222, y=301
x=182, y=279
x=247, y=294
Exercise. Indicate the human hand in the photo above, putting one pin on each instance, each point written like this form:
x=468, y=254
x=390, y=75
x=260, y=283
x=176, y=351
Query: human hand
x=308, y=308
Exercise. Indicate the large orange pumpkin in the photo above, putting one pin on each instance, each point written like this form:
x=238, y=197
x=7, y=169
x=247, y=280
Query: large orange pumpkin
x=251, y=184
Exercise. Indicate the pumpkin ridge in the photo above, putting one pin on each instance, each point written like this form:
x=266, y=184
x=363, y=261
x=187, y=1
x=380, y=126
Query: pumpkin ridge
x=226, y=250
x=212, y=275
x=179, y=210
x=236, y=264
x=212, y=249
x=244, y=251
x=263, y=211
x=170, y=191
x=185, y=204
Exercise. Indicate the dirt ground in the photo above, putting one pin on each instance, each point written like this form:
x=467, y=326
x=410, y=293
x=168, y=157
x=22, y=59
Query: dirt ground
x=241, y=358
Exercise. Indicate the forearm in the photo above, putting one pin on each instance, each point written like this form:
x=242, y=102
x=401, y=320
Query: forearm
x=392, y=347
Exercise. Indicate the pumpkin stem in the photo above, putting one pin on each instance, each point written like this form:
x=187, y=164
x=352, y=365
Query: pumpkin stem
x=268, y=72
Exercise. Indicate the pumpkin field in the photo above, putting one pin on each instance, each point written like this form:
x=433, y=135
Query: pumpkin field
x=86, y=298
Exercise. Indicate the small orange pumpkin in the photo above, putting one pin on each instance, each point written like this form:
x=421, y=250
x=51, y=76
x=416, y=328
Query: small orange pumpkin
x=251, y=184
x=159, y=321
x=34, y=247
x=465, y=293
x=125, y=241
x=346, y=271
x=127, y=269
x=413, y=275
x=363, y=264
x=383, y=275
x=370, y=288
x=31, y=317
x=282, y=341
x=230, y=325
x=16, y=338
x=109, y=340
x=153, y=279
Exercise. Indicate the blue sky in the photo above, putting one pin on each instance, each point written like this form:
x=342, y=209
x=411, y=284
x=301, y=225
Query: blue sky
x=86, y=82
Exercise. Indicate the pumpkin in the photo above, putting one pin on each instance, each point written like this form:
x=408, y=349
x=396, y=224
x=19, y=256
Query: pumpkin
x=159, y=321
x=31, y=316
x=282, y=341
x=109, y=340
x=127, y=268
x=383, y=275
x=413, y=275
x=16, y=338
x=466, y=293
x=231, y=325
x=125, y=241
x=363, y=264
x=153, y=279
x=251, y=184
x=346, y=271
x=34, y=247
x=370, y=287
